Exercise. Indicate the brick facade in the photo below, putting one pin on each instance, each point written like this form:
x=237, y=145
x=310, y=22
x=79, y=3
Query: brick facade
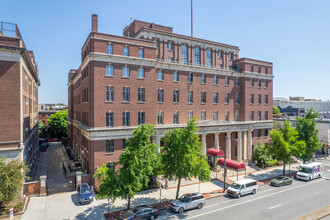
x=88, y=105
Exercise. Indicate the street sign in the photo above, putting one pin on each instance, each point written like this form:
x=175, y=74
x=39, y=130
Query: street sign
x=11, y=215
x=43, y=183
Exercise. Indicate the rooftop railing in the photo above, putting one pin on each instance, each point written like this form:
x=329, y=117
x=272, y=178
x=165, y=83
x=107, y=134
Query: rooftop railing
x=11, y=30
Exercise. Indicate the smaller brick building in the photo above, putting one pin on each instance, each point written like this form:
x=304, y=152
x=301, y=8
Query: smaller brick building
x=47, y=110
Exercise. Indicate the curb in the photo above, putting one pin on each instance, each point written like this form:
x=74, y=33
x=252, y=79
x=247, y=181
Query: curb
x=318, y=214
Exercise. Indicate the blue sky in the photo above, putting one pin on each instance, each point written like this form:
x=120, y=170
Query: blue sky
x=294, y=35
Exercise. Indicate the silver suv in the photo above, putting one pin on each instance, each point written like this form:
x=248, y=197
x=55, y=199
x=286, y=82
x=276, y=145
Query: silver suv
x=188, y=201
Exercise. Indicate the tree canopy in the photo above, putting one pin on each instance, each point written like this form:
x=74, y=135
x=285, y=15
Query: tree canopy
x=58, y=124
x=12, y=174
x=284, y=143
x=42, y=129
x=308, y=133
x=261, y=154
x=276, y=111
x=181, y=156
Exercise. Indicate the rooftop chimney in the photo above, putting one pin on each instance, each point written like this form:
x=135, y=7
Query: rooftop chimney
x=94, y=23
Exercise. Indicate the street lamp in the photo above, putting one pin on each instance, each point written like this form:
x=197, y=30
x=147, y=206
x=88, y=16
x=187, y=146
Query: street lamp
x=224, y=164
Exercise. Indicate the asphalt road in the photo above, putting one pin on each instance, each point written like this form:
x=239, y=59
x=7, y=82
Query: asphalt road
x=287, y=202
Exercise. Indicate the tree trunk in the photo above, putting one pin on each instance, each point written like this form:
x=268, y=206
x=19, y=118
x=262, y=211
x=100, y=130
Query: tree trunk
x=129, y=203
x=283, y=169
x=178, y=189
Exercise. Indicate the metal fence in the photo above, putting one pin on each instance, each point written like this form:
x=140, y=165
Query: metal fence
x=11, y=30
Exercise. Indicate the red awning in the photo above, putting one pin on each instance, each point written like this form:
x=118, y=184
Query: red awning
x=232, y=164
x=215, y=152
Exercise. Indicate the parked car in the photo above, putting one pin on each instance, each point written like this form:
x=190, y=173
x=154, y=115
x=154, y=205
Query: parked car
x=85, y=194
x=243, y=187
x=281, y=181
x=188, y=201
x=50, y=140
x=140, y=212
x=57, y=140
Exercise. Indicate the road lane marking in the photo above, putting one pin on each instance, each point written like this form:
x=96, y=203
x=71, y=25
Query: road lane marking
x=275, y=206
x=233, y=205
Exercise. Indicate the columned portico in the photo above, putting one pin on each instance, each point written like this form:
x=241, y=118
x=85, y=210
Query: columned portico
x=250, y=144
x=228, y=145
x=216, y=141
x=204, y=144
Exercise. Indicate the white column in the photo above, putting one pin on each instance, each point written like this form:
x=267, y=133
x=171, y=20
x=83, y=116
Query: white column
x=250, y=144
x=156, y=140
x=228, y=145
x=216, y=141
x=204, y=144
x=245, y=145
x=239, y=147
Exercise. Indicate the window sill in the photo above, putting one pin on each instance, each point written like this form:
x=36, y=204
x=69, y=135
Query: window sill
x=175, y=103
x=236, y=103
x=203, y=83
x=227, y=103
x=160, y=80
x=111, y=153
x=108, y=102
x=189, y=82
x=215, y=84
x=140, y=78
x=125, y=77
x=160, y=102
x=190, y=103
x=125, y=102
x=176, y=81
x=109, y=76
x=215, y=103
x=226, y=85
x=203, y=103
x=140, y=102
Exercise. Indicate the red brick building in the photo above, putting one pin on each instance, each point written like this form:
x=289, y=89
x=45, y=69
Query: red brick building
x=47, y=110
x=19, y=83
x=152, y=75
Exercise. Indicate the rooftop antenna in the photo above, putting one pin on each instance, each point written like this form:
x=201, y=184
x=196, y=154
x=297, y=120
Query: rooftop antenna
x=191, y=18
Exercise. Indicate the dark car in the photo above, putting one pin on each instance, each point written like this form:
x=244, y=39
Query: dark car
x=85, y=194
x=140, y=212
x=281, y=181
x=43, y=146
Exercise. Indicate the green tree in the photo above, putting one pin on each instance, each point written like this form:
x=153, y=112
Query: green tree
x=12, y=174
x=58, y=124
x=137, y=163
x=181, y=157
x=285, y=143
x=276, y=111
x=306, y=127
x=261, y=154
x=42, y=129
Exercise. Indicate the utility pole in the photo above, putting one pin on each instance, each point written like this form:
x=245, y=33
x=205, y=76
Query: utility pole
x=191, y=18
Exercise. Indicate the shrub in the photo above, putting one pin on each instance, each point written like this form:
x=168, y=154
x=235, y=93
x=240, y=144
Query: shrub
x=18, y=207
x=292, y=160
x=261, y=154
x=269, y=164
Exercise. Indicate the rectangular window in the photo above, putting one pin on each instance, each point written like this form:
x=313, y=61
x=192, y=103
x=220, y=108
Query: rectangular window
x=125, y=51
x=126, y=96
x=126, y=71
x=251, y=99
x=160, y=118
x=141, y=53
x=141, y=73
x=266, y=72
x=259, y=99
x=266, y=99
x=236, y=116
x=184, y=59
x=109, y=70
x=251, y=116
x=227, y=116
x=109, y=49
x=141, y=118
x=259, y=133
x=160, y=75
x=215, y=98
x=237, y=82
x=190, y=78
x=230, y=56
x=176, y=96
x=259, y=83
x=197, y=56
x=111, y=166
x=203, y=97
x=266, y=115
x=109, y=147
x=215, y=80
x=215, y=115
x=266, y=84
x=169, y=46
x=190, y=116
x=251, y=83
x=227, y=98
x=141, y=95
x=266, y=132
x=125, y=118
x=203, y=116
x=259, y=115
x=160, y=96
x=176, y=77
x=219, y=66
x=226, y=81
x=176, y=118
x=190, y=97
x=203, y=79
x=237, y=98
x=170, y=59
x=109, y=119
x=219, y=55
x=251, y=69
x=209, y=57
x=124, y=144
x=259, y=69
x=109, y=94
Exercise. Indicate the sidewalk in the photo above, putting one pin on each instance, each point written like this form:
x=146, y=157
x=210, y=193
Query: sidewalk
x=209, y=189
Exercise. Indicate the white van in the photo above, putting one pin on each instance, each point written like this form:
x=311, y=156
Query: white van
x=309, y=171
x=243, y=187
